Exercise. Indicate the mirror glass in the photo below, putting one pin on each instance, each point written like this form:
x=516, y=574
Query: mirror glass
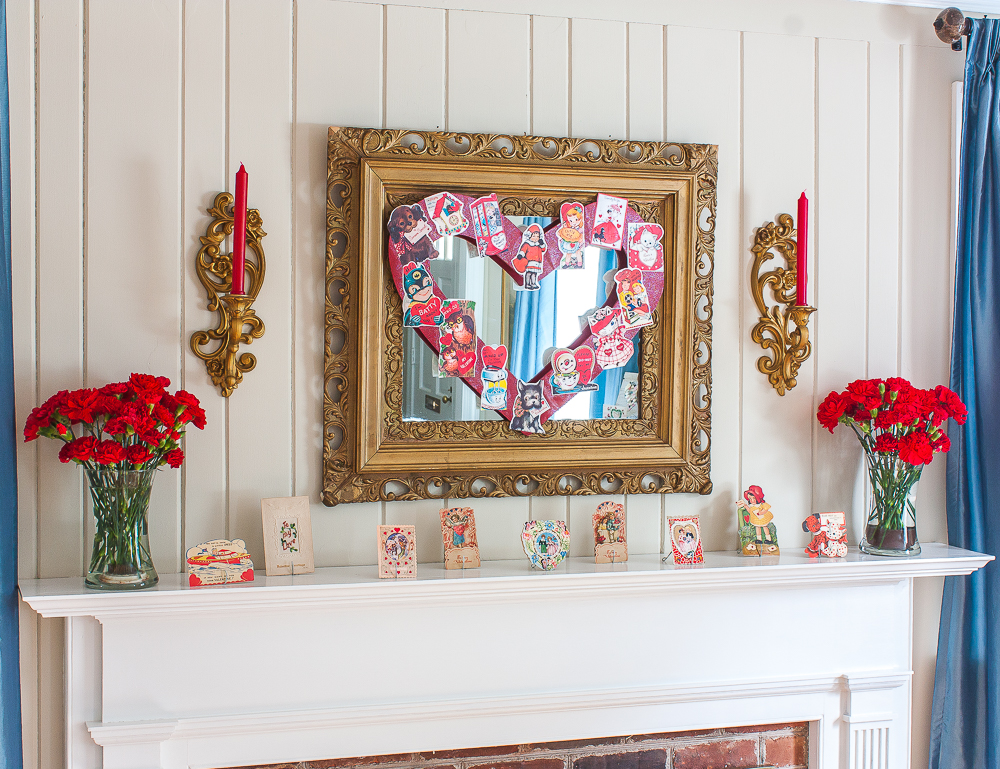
x=530, y=323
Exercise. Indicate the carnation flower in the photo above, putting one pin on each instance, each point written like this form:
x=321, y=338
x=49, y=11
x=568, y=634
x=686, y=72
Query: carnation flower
x=951, y=404
x=174, y=458
x=79, y=450
x=915, y=448
x=108, y=452
x=886, y=443
x=832, y=409
x=138, y=454
x=78, y=406
x=942, y=443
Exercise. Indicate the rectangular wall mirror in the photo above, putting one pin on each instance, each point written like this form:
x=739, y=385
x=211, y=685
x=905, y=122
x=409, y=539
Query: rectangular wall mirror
x=512, y=315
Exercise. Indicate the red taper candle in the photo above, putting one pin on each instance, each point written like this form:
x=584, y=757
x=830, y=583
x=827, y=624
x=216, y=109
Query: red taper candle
x=802, y=246
x=239, y=231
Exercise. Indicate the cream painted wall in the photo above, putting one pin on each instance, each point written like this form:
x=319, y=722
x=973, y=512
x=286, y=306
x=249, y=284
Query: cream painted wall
x=127, y=116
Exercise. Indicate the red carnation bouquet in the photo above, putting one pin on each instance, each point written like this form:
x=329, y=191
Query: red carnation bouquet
x=900, y=427
x=121, y=434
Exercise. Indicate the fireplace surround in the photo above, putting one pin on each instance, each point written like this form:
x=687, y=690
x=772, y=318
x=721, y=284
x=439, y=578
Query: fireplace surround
x=338, y=663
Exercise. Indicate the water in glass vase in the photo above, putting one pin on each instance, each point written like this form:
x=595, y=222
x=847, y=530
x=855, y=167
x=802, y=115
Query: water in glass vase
x=892, y=520
x=121, y=559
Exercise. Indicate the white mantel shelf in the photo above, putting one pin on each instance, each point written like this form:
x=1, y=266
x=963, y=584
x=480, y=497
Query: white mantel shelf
x=494, y=582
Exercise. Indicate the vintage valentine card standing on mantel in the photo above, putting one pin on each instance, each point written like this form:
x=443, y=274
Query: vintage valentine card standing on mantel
x=397, y=551
x=685, y=540
x=609, y=533
x=458, y=528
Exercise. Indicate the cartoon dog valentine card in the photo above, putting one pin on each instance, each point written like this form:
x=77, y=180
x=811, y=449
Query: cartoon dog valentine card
x=409, y=230
x=609, y=222
x=529, y=405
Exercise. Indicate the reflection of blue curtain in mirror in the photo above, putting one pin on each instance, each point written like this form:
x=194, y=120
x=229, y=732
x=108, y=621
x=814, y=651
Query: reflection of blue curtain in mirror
x=610, y=381
x=534, y=313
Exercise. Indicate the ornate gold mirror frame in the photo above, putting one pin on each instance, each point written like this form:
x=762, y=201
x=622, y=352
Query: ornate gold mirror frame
x=370, y=453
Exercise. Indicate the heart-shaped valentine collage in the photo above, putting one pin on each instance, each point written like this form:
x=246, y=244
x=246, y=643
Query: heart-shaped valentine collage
x=527, y=255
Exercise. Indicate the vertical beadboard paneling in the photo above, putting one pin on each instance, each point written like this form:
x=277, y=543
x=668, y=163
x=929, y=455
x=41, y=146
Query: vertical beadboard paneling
x=204, y=471
x=883, y=209
x=598, y=79
x=549, y=76
x=645, y=82
x=643, y=520
x=21, y=75
x=27, y=622
x=548, y=508
x=478, y=100
x=334, y=85
x=51, y=699
x=581, y=522
x=839, y=264
x=778, y=163
x=425, y=516
x=133, y=231
x=415, y=68
x=59, y=222
x=691, y=117
x=260, y=411
x=926, y=215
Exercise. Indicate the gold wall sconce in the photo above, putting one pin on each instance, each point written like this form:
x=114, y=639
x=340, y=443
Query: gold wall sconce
x=783, y=328
x=238, y=324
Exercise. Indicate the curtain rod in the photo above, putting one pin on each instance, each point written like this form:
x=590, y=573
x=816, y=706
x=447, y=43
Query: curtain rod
x=950, y=26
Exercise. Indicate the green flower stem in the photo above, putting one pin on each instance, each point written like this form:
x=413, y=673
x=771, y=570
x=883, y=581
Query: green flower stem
x=121, y=502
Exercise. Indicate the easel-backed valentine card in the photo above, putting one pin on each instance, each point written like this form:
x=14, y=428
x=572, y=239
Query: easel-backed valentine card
x=397, y=551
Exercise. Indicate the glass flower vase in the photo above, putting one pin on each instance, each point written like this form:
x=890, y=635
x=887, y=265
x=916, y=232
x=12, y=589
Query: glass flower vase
x=891, y=528
x=121, y=559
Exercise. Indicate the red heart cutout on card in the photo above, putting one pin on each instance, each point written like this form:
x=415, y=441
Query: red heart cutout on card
x=527, y=257
x=494, y=357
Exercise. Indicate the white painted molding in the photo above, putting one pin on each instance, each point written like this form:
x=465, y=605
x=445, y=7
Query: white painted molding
x=495, y=583
x=389, y=713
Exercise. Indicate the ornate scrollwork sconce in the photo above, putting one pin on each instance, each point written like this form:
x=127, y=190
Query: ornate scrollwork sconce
x=788, y=344
x=238, y=324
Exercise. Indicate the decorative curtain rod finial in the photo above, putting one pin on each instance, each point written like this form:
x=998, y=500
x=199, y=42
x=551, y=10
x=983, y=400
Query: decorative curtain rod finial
x=950, y=25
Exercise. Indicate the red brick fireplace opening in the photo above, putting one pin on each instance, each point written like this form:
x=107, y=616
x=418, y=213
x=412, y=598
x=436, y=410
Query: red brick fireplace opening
x=775, y=745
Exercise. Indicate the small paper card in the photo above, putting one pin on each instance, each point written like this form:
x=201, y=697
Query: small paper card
x=572, y=370
x=488, y=224
x=219, y=562
x=529, y=405
x=288, y=547
x=409, y=231
x=458, y=529
x=645, y=251
x=570, y=236
x=609, y=222
x=755, y=524
x=457, y=356
x=530, y=258
x=423, y=308
x=685, y=540
x=447, y=213
x=397, y=551
x=829, y=532
x=609, y=533
x=546, y=543
x=494, y=378
x=633, y=298
x=611, y=346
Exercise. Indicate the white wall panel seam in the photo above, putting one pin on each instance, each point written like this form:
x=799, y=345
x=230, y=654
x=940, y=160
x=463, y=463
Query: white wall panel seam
x=447, y=70
x=569, y=77
x=228, y=465
x=293, y=70
x=868, y=202
x=84, y=213
x=899, y=223
x=38, y=284
x=741, y=215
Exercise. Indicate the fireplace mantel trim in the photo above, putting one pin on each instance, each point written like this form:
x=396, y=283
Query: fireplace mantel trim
x=496, y=582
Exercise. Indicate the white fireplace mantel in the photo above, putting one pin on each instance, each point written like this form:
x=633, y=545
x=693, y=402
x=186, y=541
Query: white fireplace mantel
x=339, y=663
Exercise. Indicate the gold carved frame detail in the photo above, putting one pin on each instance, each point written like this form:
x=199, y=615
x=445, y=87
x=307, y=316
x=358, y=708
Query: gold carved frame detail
x=370, y=453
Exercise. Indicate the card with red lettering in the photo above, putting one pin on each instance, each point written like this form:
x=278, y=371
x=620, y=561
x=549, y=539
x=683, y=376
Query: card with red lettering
x=423, y=308
x=458, y=339
x=487, y=221
x=645, y=252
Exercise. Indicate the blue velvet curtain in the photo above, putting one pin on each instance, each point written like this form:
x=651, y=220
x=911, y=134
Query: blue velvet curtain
x=10, y=685
x=534, y=311
x=965, y=725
